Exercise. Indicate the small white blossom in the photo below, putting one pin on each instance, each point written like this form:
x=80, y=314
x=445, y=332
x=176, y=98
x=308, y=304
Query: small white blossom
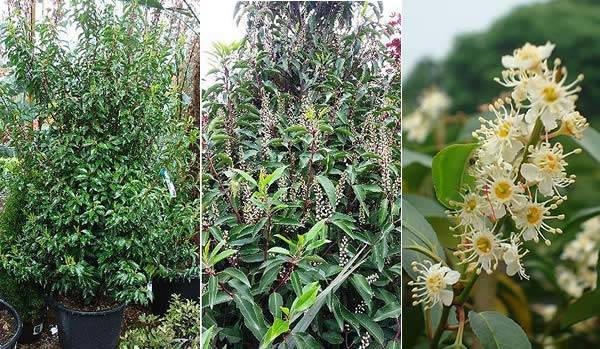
x=417, y=126
x=547, y=168
x=531, y=216
x=551, y=99
x=432, y=284
x=504, y=135
x=432, y=106
x=512, y=257
x=500, y=186
x=573, y=124
x=471, y=212
x=528, y=57
x=482, y=247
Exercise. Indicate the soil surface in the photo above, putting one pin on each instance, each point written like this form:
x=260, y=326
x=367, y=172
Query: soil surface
x=98, y=304
x=50, y=341
x=8, y=326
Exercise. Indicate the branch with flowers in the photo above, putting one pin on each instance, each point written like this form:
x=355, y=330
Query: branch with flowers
x=502, y=193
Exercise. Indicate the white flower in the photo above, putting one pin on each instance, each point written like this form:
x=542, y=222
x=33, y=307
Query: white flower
x=500, y=186
x=582, y=253
x=434, y=103
x=504, y=135
x=528, y=57
x=547, y=167
x=417, y=126
x=551, y=99
x=431, y=285
x=432, y=106
x=546, y=311
x=530, y=218
x=573, y=124
x=483, y=248
x=471, y=211
x=512, y=257
x=569, y=282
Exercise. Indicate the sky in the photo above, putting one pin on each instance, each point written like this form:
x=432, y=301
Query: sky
x=217, y=25
x=429, y=26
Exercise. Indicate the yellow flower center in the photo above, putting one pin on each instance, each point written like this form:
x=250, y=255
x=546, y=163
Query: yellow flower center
x=550, y=94
x=484, y=245
x=550, y=163
x=504, y=129
x=471, y=204
x=503, y=190
x=435, y=283
x=534, y=215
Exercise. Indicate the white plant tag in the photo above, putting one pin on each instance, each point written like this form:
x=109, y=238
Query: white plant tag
x=38, y=329
x=165, y=174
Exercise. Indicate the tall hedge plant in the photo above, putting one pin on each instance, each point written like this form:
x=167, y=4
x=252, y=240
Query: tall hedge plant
x=100, y=123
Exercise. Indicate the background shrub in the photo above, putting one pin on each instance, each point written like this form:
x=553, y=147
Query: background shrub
x=101, y=121
x=302, y=180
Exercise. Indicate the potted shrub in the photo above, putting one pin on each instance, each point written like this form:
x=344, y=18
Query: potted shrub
x=180, y=272
x=178, y=328
x=11, y=325
x=26, y=298
x=99, y=127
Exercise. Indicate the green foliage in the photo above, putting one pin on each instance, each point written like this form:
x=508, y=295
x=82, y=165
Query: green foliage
x=98, y=216
x=26, y=297
x=178, y=329
x=496, y=331
x=301, y=188
x=449, y=171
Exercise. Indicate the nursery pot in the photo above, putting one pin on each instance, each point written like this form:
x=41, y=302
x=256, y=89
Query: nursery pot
x=79, y=329
x=32, y=331
x=12, y=343
x=163, y=289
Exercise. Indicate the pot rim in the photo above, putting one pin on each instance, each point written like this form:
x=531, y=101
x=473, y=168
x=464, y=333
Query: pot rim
x=63, y=307
x=13, y=339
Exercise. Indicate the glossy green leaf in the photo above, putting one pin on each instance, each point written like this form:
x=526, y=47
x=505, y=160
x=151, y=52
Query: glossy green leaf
x=583, y=308
x=370, y=325
x=275, y=303
x=590, y=142
x=237, y=274
x=306, y=299
x=449, y=171
x=253, y=316
x=496, y=331
x=410, y=157
x=329, y=188
x=363, y=288
x=388, y=311
x=278, y=328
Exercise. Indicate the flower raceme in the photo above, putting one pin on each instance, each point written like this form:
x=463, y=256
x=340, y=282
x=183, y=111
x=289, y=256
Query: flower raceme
x=519, y=171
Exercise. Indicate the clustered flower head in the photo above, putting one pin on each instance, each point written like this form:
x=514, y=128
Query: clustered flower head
x=432, y=106
x=581, y=255
x=518, y=172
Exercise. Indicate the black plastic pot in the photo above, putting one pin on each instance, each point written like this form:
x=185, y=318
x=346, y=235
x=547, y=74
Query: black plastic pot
x=163, y=289
x=89, y=329
x=12, y=343
x=32, y=331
